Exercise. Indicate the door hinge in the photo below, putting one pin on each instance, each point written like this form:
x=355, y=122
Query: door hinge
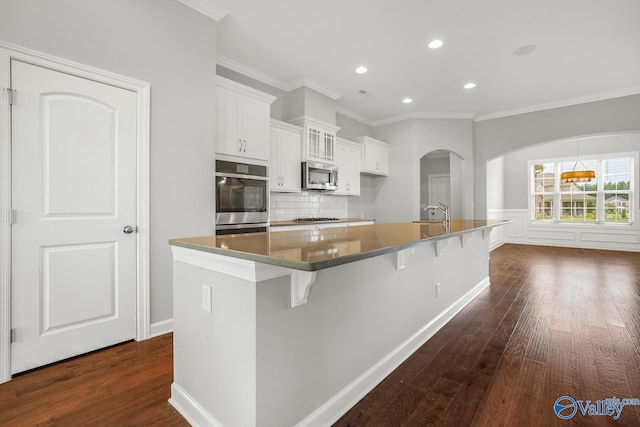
x=12, y=216
x=11, y=95
x=14, y=335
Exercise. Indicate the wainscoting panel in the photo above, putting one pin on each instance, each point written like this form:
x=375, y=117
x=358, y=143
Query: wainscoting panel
x=589, y=236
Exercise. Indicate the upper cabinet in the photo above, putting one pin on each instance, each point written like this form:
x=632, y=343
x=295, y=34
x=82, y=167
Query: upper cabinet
x=375, y=156
x=243, y=120
x=348, y=160
x=318, y=140
x=284, y=164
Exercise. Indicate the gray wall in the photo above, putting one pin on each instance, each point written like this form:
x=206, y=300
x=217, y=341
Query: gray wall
x=516, y=163
x=173, y=48
x=497, y=137
x=319, y=106
x=279, y=107
x=352, y=129
x=397, y=198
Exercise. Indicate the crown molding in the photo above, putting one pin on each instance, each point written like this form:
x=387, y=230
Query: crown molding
x=303, y=81
x=307, y=82
x=207, y=8
x=272, y=81
x=353, y=115
x=559, y=104
x=306, y=120
x=244, y=89
x=423, y=115
x=252, y=73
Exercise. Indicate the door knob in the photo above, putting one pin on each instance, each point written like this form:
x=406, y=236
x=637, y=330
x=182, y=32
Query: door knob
x=128, y=229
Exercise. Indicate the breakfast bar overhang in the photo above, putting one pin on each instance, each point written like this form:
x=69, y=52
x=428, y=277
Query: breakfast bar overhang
x=294, y=327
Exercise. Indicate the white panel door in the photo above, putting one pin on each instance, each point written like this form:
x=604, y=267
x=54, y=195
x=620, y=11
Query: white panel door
x=439, y=189
x=73, y=192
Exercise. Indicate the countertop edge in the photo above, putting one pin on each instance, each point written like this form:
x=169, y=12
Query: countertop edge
x=334, y=262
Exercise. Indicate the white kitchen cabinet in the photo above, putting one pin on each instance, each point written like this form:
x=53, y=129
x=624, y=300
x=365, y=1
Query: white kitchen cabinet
x=348, y=160
x=285, y=157
x=375, y=156
x=243, y=124
x=318, y=140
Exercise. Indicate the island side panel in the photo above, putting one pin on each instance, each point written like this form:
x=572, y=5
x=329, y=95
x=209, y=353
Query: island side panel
x=357, y=315
x=215, y=353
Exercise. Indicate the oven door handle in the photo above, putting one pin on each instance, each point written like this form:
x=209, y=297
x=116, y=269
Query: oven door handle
x=236, y=175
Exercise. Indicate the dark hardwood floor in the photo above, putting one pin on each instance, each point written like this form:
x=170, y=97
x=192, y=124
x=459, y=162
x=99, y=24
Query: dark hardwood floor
x=125, y=385
x=554, y=322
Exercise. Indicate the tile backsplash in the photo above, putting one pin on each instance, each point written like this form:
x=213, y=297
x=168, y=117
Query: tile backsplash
x=287, y=206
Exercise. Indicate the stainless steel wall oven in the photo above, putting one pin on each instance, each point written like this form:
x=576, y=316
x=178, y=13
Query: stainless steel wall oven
x=242, y=197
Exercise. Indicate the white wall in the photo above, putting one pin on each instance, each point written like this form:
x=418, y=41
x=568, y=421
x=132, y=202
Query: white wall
x=173, y=48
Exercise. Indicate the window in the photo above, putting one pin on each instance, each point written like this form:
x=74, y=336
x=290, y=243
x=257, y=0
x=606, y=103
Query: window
x=606, y=199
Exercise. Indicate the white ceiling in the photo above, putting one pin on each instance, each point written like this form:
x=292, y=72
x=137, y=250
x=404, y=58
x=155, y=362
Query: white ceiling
x=586, y=50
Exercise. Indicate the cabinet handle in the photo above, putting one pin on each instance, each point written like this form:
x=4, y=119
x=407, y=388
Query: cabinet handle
x=240, y=145
x=245, y=146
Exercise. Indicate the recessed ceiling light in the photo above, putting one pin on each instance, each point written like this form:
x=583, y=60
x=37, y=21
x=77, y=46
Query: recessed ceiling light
x=407, y=101
x=361, y=69
x=470, y=85
x=435, y=44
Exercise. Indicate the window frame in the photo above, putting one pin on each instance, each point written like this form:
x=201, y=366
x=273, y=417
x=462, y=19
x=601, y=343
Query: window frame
x=600, y=192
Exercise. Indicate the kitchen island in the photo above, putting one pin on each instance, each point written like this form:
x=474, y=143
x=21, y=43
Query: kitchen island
x=294, y=327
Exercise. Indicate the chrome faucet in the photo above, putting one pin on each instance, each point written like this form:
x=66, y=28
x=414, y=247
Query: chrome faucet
x=444, y=209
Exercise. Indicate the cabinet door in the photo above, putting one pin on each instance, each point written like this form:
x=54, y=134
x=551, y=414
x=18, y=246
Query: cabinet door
x=255, y=127
x=376, y=159
x=290, y=161
x=348, y=162
x=274, y=157
x=329, y=140
x=355, y=159
x=229, y=126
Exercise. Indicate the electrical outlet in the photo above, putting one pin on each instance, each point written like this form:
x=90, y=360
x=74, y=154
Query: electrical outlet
x=206, y=298
x=438, y=286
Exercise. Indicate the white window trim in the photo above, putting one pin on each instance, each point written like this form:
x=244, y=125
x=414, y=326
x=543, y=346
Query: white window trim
x=600, y=192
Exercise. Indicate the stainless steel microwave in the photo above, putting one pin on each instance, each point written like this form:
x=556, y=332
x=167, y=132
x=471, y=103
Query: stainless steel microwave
x=319, y=176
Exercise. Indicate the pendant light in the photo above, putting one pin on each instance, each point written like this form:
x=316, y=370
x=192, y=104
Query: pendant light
x=579, y=175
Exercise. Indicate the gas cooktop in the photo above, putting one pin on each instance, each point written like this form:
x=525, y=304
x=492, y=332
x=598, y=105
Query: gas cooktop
x=315, y=219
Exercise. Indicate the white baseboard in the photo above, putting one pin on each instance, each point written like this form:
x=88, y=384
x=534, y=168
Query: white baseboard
x=161, y=328
x=345, y=399
x=195, y=414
